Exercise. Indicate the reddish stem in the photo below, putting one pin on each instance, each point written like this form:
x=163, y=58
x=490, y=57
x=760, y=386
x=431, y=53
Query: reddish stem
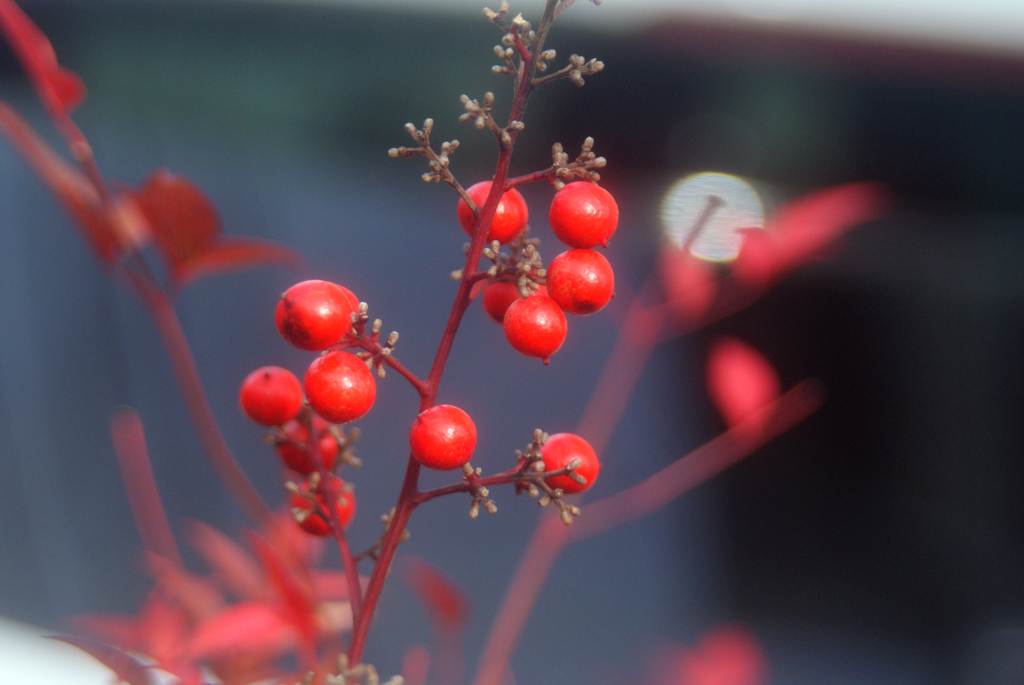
x=654, y=492
x=536, y=176
x=191, y=385
x=143, y=495
x=355, y=591
x=407, y=497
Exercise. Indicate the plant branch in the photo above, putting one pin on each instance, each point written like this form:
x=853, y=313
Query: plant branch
x=198, y=406
x=647, y=496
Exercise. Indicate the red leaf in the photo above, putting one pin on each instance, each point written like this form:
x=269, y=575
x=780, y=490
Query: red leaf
x=740, y=380
x=812, y=222
x=333, y=584
x=246, y=627
x=183, y=220
x=229, y=254
x=163, y=628
x=234, y=567
x=124, y=665
x=72, y=189
x=198, y=597
x=803, y=228
x=689, y=282
x=725, y=656
x=58, y=88
x=445, y=602
x=758, y=261
x=300, y=606
x=416, y=665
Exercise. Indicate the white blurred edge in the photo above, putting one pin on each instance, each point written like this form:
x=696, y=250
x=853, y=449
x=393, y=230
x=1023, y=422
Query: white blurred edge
x=27, y=657
x=981, y=25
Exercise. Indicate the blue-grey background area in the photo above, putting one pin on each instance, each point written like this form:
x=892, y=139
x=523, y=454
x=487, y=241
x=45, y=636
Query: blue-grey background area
x=881, y=542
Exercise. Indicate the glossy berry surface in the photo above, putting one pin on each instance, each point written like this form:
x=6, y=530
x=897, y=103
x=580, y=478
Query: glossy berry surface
x=294, y=447
x=443, y=437
x=270, y=396
x=559, y=451
x=314, y=315
x=498, y=297
x=581, y=281
x=339, y=387
x=509, y=218
x=535, y=326
x=583, y=215
x=309, y=520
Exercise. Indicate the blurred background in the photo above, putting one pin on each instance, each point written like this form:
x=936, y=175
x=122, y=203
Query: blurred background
x=880, y=542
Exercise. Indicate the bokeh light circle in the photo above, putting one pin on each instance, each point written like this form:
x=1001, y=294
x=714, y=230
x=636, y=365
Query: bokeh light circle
x=721, y=204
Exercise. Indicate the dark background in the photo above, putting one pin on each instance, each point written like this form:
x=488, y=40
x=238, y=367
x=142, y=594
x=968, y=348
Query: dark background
x=880, y=542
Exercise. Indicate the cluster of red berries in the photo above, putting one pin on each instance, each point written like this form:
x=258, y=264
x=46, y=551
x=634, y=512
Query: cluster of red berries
x=579, y=281
x=339, y=386
x=314, y=316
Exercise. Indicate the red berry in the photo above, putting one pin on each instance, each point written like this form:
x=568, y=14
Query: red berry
x=509, y=218
x=581, y=281
x=559, y=451
x=535, y=326
x=340, y=387
x=294, y=448
x=270, y=396
x=305, y=514
x=498, y=297
x=443, y=437
x=351, y=298
x=583, y=215
x=313, y=315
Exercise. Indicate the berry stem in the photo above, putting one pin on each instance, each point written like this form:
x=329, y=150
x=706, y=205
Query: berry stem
x=428, y=392
x=654, y=492
x=197, y=404
x=355, y=591
x=385, y=555
x=535, y=177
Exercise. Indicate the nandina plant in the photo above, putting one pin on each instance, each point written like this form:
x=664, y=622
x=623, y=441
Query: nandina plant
x=284, y=597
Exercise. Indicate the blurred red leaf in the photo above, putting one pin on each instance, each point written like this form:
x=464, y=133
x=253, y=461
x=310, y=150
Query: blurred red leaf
x=163, y=628
x=724, y=656
x=122, y=664
x=334, y=584
x=246, y=627
x=197, y=596
x=800, y=230
x=690, y=283
x=187, y=228
x=230, y=254
x=234, y=567
x=416, y=665
x=58, y=88
x=70, y=186
x=445, y=602
x=299, y=606
x=739, y=379
x=182, y=218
